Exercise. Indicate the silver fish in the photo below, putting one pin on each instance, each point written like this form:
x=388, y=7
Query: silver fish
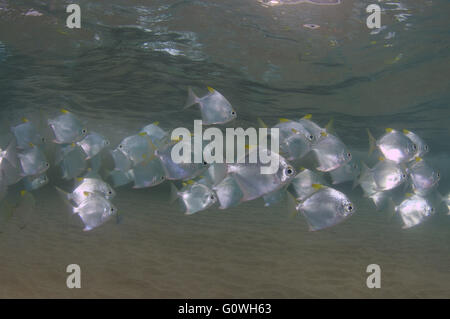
x=179, y=171
x=414, y=210
x=94, y=211
x=301, y=185
x=155, y=133
x=295, y=140
x=422, y=147
x=67, y=128
x=228, y=193
x=346, y=173
x=423, y=177
x=120, y=178
x=331, y=153
x=194, y=197
x=326, y=208
x=394, y=145
x=73, y=164
x=214, y=107
x=148, y=174
x=137, y=148
x=91, y=185
x=121, y=161
x=26, y=135
x=385, y=175
x=35, y=182
x=253, y=183
x=92, y=144
x=33, y=161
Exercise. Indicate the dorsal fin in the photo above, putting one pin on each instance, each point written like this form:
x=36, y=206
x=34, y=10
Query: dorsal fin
x=307, y=117
x=210, y=89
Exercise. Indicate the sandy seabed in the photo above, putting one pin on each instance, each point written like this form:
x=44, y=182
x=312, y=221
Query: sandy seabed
x=246, y=252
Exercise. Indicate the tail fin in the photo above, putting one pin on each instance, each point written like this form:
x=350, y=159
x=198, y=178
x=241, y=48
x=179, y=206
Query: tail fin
x=391, y=208
x=261, y=123
x=363, y=176
x=292, y=205
x=330, y=127
x=192, y=98
x=173, y=193
x=372, y=142
x=11, y=153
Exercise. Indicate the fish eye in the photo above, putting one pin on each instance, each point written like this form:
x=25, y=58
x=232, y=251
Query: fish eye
x=212, y=197
x=162, y=177
x=414, y=146
x=349, y=208
x=205, y=163
x=112, y=209
x=233, y=112
x=311, y=137
x=349, y=155
x=403, y=175
x=289, y=170
x=120, y=146
x=106, y=142
x=426, y=147
x=47, y=164
x=83, y=131
x=110, y=193
x=438, y=174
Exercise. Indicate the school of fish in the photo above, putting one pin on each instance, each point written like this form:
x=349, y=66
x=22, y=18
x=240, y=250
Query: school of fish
x=312, y=159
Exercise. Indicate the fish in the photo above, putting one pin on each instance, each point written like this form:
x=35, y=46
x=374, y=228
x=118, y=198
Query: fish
x=345, y=173
x=92, y=144
x=9, y=164
x=73, y=164
x=179, y=171
x=446, y=201
x=301, y=185
x=423, y=177
x=295, y=140
x=35, y=182
x=394, y=145
x=325, y=208
x=94, y=211
x=385, y=175
x=86, y=187
x=137, y=148
x=119, y=178
x=378, y=181
x=228, y=193
x=214, y=107
x=26, y=134
x=67, y=128
x=422, y=147
x=193, y=197
x=253, y=183
x=148, y=174
x=32, y=161
x=330, y=153
x=413, y=210
x=121, y=161
x=25, y=208
x=155, y=133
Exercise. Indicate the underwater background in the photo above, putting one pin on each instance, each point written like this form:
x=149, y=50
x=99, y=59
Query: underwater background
x=130, y=64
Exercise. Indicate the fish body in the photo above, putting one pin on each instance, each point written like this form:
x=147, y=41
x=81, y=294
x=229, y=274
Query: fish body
x=32, y=161
x=94, y=211
x=423, y=177
x=92, y=144
x=89, y=186
x=121, y=161
x=414, y=210
x=295, y=140
x=326, y=208
x=194, y=197
x=228, y=193
x=155, y=133
x=179, y=171
x=137, y=148
x=148, y=174
x=253, y=183
x=395, y=146
x=120, y=178
x=331, y=153
x=214, y=107
x=67, y=128
x=301, y=185
x=26, y=134
x=385, y=175
x=422, y=147
x=346, y=173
